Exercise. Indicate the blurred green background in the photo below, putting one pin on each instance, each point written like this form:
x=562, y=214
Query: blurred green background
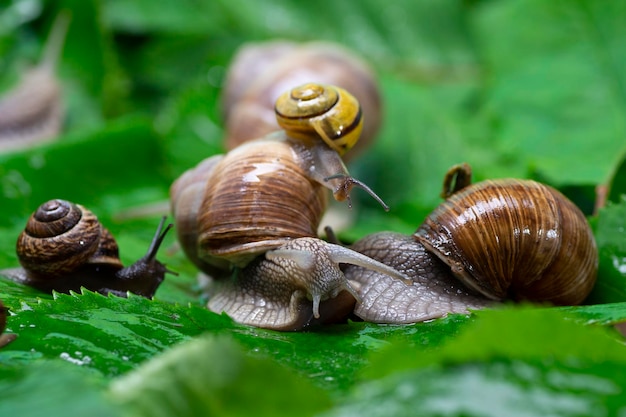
x=516, y=88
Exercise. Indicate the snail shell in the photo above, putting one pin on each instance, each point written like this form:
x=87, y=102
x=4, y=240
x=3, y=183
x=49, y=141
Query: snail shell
x=42, y=249
x=64, y=247
x=261, y=72
x=502, y=239
x=232, y=208
x=314, y=110
x=542, y=250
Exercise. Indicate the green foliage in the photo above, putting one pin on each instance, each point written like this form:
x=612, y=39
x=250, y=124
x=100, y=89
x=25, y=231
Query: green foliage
x=516, y=88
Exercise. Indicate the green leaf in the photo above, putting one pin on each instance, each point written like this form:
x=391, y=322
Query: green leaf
x=556, y=85
x=515, y=333
x=502, y=387
x=87, y=169
x=610, y=237
x=53, y=388
x=213, y=376
x=506, y=362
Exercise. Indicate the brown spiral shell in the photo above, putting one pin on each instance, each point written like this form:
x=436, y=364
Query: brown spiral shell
x=245, y=201
x=42, y=249
x=515, y=239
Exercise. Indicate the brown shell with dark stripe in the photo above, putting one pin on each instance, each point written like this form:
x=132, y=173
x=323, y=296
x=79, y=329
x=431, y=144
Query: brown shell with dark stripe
x=515, y=239
x=314, y=110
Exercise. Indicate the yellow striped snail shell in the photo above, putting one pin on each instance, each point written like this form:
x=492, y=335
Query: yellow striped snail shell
x=315, y=110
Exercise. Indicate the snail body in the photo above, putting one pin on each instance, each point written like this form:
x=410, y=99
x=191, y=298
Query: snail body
x=261, y=72
x=250, y=218
x=64, y=247
x=491, y=241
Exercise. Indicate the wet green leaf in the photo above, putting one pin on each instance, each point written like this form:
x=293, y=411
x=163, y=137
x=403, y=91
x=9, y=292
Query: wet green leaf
x=610, y=236
x=213, y=376
x=53, y=388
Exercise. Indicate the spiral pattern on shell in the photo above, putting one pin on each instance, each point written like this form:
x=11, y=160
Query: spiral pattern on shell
x=326, y=111
x=515, y=239
x=60, y=236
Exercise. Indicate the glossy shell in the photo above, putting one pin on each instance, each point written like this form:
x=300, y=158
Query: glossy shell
x=514, y=239
x=315, y=110
x=253, y=196
x=260, y=72
x=43, y=248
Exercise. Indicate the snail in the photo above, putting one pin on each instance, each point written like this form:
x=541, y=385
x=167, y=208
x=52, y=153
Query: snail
x=5, y=339
x=64, y=247
x=32, y=111
x=495, y=240
x=249, y=218
x=260, y=72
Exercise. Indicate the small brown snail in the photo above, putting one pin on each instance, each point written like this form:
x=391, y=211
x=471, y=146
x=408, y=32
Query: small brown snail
x=260, y=72
x=64, y=247
x=494, y=240
x=5, y=339
x=258, y=208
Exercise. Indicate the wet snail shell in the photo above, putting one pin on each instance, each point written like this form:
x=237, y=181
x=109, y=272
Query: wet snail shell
x=260, y=72
x=490, y=241
x=5, y=339
x=315, y=110
x=64, y=247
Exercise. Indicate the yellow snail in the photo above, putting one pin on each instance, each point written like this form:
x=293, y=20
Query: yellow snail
x=490, y=241
x=260, y=72
x=7, y=338
x=64, y=247
x=258, y=209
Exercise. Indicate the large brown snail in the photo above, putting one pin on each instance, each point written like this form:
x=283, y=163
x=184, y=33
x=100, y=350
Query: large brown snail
x=490, y=241
x=261, y=72
x=250, y=218
x=64, y=247
x=5, y=338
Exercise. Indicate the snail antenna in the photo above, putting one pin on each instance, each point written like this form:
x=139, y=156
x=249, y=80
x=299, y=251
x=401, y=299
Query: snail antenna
x=350, y=182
